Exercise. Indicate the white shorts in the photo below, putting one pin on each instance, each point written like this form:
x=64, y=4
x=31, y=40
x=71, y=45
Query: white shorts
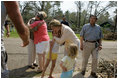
x=42, y=47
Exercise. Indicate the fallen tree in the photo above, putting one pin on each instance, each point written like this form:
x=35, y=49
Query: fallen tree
x=107, y=69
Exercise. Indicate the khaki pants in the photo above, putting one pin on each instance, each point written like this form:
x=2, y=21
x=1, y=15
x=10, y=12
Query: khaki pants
x=89, y=48
x=31, y=53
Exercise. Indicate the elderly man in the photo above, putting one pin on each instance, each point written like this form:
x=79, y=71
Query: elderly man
x=90, y=43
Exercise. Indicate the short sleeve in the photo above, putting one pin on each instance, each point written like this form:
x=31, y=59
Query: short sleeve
x=82, y=32
x=64, y=59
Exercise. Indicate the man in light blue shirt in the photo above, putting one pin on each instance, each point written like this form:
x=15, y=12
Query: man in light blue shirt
x=90, y=42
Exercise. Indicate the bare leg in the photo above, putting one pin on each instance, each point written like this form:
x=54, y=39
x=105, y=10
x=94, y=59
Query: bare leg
x=45, y=67
x=52, y=68
x=40, y=61
x=43, y=60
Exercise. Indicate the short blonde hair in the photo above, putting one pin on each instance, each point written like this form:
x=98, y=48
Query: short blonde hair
x=55, y=23
x=41, y=15
x=72, y=50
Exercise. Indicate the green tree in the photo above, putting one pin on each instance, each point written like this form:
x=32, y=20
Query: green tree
x=67, y=13
x=103, y=18
x=26, y=9
x=79, y=9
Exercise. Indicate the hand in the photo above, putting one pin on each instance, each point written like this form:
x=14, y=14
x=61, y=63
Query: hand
x=64, y=69
x=29, y=27
x=25, y=37
x=100, y=47
x=52, y=42
x=25, y=44
x=81, y=47
x=41, y=23
x=8, y=34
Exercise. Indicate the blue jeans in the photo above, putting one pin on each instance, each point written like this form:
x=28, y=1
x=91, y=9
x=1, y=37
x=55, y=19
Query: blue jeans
x=67, y=74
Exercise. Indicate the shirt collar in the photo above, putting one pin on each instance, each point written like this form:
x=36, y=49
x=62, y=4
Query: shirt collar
x=92, y=26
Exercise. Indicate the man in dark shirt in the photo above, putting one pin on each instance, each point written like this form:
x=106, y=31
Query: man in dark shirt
x=64, y=21
x=7, y=28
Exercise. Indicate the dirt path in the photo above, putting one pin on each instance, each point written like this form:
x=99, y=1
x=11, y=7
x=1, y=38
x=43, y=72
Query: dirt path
x=18, y=57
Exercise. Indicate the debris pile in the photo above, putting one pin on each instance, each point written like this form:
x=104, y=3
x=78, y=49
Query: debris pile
x=107, y=69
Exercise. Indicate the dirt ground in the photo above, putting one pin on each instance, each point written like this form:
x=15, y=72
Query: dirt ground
x=18, y=59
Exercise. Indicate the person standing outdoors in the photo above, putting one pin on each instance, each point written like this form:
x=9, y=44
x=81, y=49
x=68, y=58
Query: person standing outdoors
x=7, y=28
x=41, y=39
x=90, y=43
x=31, y=47
x=64, y=21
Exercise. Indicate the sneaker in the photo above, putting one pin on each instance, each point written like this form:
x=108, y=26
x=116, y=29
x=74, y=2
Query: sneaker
x=94, y=75
x=35, y=65
x=83, y=72
x=31, y=66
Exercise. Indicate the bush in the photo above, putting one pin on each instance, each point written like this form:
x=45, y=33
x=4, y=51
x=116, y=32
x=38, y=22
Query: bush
x=108, y=34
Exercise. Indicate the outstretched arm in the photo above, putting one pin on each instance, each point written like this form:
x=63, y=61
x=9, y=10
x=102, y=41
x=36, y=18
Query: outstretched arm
x=63, y=67
x=35, y=28
x=15, y=15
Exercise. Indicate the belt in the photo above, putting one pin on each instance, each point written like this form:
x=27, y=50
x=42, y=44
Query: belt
x=90, y=41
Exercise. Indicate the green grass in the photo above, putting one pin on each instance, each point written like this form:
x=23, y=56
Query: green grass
x=14, y=34
x=78, y=35
x=50, y=35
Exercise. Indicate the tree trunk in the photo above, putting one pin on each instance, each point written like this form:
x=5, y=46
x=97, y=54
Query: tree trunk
x=115, y=27
x=86, y=14
x=79, y=14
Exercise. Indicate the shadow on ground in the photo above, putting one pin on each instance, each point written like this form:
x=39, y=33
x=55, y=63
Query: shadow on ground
x=23, y=72
x=78, y=75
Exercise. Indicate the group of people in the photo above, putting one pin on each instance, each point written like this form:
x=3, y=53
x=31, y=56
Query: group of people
x=90, y=43
x=39, y=43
